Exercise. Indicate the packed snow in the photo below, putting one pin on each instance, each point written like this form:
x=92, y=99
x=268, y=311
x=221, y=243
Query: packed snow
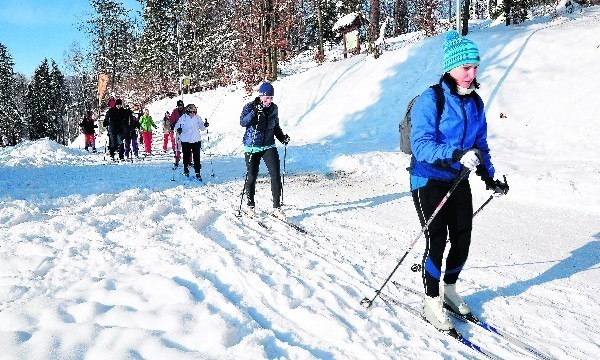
x=135, y=261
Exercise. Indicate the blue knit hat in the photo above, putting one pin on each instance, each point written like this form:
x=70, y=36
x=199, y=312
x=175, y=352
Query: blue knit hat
x=459, y=51
x=266, y=89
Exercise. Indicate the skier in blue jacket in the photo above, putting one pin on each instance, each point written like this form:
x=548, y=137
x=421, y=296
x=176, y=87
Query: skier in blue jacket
x=442, y=146
x=261, y=120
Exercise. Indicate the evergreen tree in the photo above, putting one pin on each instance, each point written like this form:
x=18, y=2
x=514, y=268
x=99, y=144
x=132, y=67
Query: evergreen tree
x=209, y=42
x=157, y=57
x=59, y=99
x=18, y=130
x=81, y=86
x=8, y=111
x=112, y=31
x=319, y=19
x=37, y=102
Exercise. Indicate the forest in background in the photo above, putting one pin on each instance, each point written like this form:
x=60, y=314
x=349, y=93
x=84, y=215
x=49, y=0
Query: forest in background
x=175, y=46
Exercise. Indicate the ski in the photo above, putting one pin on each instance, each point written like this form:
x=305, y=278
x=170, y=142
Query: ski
x=256, y=218
x=294, y=226
x=470, y=318
x=452, y=333
x=191, y=178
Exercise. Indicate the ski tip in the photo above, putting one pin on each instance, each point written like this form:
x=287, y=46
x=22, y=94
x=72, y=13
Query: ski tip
x=452, y=333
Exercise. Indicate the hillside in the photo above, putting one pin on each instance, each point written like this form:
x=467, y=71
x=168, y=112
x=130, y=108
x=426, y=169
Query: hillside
x=135, y=261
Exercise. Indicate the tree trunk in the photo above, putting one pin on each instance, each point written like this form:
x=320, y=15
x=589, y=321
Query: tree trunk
x=465, y=17
x=374, y=18
x=317, y=3
x=507, y=4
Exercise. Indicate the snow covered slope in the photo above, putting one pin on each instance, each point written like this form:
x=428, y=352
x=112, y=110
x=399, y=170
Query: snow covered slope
x=118, y=261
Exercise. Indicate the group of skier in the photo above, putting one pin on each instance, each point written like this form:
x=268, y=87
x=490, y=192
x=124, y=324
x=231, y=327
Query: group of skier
x=124, y=129
x=447, y=145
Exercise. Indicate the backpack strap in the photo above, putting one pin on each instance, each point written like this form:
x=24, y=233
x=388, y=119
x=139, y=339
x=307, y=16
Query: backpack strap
x=439, y=99
x=478, y=101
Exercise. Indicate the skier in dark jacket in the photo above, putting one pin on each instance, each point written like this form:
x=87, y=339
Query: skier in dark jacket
x=130, y=133
x=443, y=145
x=115, y=122
x=261, y=120
x=88, y=128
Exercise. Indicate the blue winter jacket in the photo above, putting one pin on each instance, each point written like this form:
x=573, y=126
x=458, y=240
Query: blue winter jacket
x=263, y=134
x=437, y=145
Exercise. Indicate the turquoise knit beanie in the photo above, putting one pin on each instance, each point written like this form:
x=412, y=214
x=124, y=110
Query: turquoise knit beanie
x=459, y=51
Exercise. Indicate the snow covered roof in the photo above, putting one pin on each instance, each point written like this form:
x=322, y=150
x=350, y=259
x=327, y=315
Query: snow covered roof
x=346, y=21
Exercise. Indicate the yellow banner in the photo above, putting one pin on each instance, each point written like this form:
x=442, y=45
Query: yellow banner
x=102, y=84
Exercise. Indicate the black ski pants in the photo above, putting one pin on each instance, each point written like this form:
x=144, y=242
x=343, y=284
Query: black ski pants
x=115, y=142
x=454, y=222
x=192, y=149
x=271, y=158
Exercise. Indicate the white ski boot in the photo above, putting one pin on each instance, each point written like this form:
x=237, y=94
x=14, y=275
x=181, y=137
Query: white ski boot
x=435, y=314
x=278, y=213
x=249, y=210
x=454, y=301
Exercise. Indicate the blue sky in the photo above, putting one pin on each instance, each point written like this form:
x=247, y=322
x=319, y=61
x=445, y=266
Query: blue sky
x=36, y=29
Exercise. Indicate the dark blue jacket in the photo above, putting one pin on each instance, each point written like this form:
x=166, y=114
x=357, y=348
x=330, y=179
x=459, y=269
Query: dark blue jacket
x=438, y=144
x=263, y=133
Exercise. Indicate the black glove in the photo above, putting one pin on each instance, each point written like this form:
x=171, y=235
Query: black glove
x=179, y=130
x=205, y=122
x=500, y=188
x=286, y=139
x=258, y=106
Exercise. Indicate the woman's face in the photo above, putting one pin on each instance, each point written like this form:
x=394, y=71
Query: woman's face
x=464, y=75
x=266, y=100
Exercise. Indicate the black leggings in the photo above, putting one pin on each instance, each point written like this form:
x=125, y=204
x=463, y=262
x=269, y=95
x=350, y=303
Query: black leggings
x=454, y=219
x=271, y=158
x=194, y=149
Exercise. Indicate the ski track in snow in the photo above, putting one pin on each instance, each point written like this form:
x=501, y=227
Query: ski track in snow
x=149, y=272
x=118, y=261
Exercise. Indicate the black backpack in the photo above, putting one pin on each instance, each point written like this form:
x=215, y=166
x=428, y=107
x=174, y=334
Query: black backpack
x=406, y=124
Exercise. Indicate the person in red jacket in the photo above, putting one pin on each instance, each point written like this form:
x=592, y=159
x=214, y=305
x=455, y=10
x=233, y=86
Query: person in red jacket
x=175, y=115
x=88, y=127
x=168, y=132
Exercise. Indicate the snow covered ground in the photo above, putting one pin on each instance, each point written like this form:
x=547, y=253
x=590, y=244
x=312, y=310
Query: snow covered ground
x=118, y=261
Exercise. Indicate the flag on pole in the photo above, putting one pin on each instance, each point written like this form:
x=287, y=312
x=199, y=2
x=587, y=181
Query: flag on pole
x=102, y=84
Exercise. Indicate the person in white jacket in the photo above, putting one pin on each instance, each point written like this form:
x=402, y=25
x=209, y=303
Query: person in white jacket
x=188, y=128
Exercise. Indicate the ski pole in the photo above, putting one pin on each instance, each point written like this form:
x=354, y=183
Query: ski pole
x=247, y=171
x=489, y=199
x=176, y=151
x=283, y=177
x=212, y=170
x=366, y=302
x=483, y=205
x=216, y=107
x=417, y=267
